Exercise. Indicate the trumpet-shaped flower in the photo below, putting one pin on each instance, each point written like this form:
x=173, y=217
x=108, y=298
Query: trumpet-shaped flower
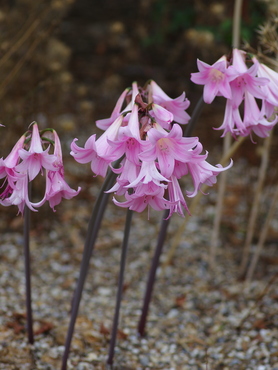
x=201, y=171
x=167, y=148
x=176, y=106
x=245, y=79
x=22, y=165
x=139, y=202
x=214, y=78
x=34, y=159
x=177, y=201
x=56, y=186
x=128, y=141
x=98, y=152
x=154, y=153
x=243, y=86
x=254, y=118
x=271, y=89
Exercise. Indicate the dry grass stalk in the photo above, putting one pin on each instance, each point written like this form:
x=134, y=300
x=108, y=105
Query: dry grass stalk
x=195, y=201
x=262, y=238
x=226, y=146
x=255, y=206
x=219, y=207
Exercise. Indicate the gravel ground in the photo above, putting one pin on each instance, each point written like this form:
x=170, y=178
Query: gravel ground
x=198, y=318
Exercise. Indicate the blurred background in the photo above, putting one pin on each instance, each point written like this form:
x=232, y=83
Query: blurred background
x=64, y=63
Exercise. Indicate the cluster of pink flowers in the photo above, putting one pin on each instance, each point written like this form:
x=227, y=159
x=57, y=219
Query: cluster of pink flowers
x=244, y=82
x=147, y=135
x=26, y=160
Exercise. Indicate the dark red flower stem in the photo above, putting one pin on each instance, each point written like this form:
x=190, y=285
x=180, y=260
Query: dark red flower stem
x=187, y=129
x=162, y=233
x=120, y=288
x=93, y=228
x=26, y=238
x=152, y=273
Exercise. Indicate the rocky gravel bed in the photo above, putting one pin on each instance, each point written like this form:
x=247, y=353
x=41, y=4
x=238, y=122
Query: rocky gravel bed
x=198, y=318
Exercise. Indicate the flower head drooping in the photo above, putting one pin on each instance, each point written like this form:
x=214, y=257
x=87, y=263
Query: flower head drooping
x=243, y=81
x=56, y=186
x=146, y=134
x=27, y=159
x=35, y=158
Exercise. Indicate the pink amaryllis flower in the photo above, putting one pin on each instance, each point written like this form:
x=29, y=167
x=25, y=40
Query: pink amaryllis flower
x=255, y=118
x=214, y=78
x=139, y=202
x=244, y=79
x=167, y=148
x=175, y=106
x=201, y=171
x=98, y=152
x=8, y=165
x=15, y=184
x=23, y=164
x=106, y=122
x=56, y=186
x=34, y=159
x=129, y=140
x=20, y=195
x=176, y=198
x=146, y=136
x=271, y=89
x=247, y=85
x=130, y=96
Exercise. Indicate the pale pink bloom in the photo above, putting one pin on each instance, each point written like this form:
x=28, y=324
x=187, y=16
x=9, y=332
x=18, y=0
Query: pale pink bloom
x=271, y=89
x=244, y=79
x=98, y=152
x=8, y=165
x=238, y=62
x=149, y=174
x=181, y=169
x=167, y=148
x=119, y=110
x=127, y=172
x=89, y=154
x=56, y=186
x=19, y=196
x=254, y=118
x=175, y=106
x=153, y=151
x=103, y=124
x=214, y=78
x=232, y=121
x=128, y=141
x=139, y=203
x=178, y=203
x=8, y=172
x=162, y=116
x=86, y=154
x=131, y=97
x=201, y=171
x=35, y=159
x=17, y=172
